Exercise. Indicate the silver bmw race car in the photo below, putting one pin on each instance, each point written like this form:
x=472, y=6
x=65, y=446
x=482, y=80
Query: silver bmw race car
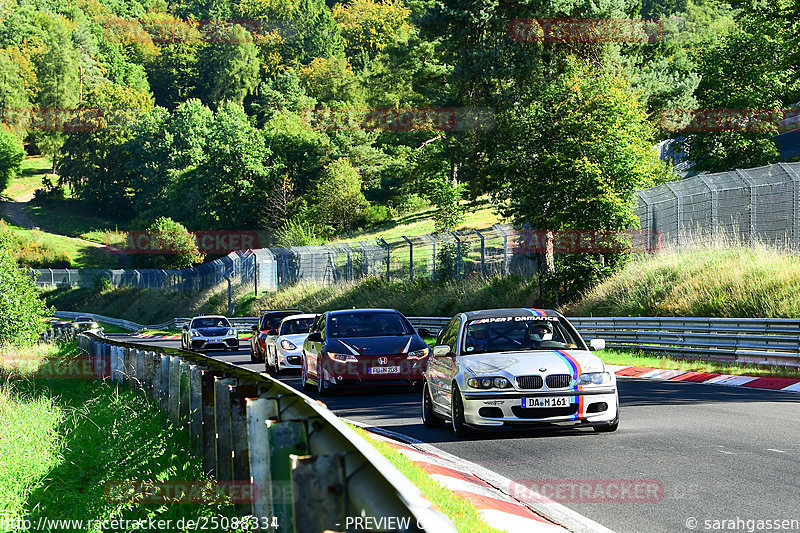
x=514, y=367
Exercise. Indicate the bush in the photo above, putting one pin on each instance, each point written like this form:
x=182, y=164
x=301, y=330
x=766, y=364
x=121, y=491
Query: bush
x=22, y=313
x=178, y=247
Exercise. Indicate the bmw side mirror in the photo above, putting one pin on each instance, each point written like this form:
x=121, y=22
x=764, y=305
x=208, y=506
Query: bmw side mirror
x=597, y=344
x=442, y=350
x=315, y=337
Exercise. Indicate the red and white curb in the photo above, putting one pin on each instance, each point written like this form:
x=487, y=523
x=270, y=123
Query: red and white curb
x=763, y=383
x=490, y=493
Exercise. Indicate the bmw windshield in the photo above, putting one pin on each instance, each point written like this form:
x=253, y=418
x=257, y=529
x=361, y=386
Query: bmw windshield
x=517, y=333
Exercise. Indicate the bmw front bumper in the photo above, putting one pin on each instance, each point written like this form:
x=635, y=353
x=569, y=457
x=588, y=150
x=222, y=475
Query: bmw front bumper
x=496, y=409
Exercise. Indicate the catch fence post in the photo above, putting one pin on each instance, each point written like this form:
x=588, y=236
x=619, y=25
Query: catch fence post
x=483, y=252
x=410, y=258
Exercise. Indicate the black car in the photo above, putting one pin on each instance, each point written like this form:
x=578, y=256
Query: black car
x=268, y=327
x=357, y=347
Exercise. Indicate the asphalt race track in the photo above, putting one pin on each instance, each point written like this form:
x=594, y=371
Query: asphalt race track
x=720, y=453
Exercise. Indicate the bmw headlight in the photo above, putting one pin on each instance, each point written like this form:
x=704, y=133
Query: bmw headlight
x=344, y=358
x=594, y=378
x=489, y=383
x=288, y=345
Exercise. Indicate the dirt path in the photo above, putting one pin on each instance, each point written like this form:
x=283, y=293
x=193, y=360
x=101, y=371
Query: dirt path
x=15, y=212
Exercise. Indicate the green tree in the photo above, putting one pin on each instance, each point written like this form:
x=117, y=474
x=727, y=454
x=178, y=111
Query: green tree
x=12, y=153
x=237, y=174
x=230, y=65
x=338, y=199
x=57, y=74
x=368, y=26
x=22, y=312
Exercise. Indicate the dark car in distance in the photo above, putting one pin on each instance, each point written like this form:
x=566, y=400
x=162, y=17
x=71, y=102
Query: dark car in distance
x=267, y=326
x=363, y=347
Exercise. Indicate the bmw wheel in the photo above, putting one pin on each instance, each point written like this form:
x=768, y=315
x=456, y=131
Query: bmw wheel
x=460, y=429
x=429, y=418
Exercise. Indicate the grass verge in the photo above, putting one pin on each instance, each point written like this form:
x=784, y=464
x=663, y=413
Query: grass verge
x=65, y=440
x=461, y=513
x=656, y=360
x=726, y=280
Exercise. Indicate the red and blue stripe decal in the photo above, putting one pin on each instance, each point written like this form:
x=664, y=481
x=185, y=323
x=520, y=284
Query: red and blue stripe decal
x=575, y=368
x=537, y=312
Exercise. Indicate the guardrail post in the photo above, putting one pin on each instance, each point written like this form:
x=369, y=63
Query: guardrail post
x=196, y=407
x=174, y=391
x=126, y=363
x=155, y=376
x=319, y=482
x=285, y=439
x=116, y=363
x=222, y=424
x=138, y=370
x=259, y=410
x=185, y=392
x=241, y=449
x=209, y=438
x=164, y=383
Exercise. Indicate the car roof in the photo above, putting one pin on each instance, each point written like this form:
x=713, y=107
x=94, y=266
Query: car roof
x=511, y=311
x=304, y=315
x=279, y=311
x=367, y=310
x=210, y=316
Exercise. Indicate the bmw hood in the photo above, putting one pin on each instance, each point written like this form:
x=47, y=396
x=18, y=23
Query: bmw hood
x=532, y=362
x=390, y=345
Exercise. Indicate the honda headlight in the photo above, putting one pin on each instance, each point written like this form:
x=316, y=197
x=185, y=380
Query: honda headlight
x=344, y=358
x=489, y=383
x=288, y=345
x=419, y=354
x=594, y=378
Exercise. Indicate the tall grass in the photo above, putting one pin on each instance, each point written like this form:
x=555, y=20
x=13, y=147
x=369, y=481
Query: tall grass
x=418, y=298
x=729, y=279
x=63, y=440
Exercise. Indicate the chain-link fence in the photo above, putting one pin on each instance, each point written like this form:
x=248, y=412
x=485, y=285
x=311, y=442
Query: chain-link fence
x=760, y=204
x=755, y=205
x=439, y=256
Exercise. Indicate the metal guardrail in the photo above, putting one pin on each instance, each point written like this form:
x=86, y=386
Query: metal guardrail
x=252, y=428
x=124, y=324
x=772, y=341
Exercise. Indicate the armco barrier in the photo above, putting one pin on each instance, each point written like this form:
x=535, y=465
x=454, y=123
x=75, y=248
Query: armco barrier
x=307, y=467
x=773, y=341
